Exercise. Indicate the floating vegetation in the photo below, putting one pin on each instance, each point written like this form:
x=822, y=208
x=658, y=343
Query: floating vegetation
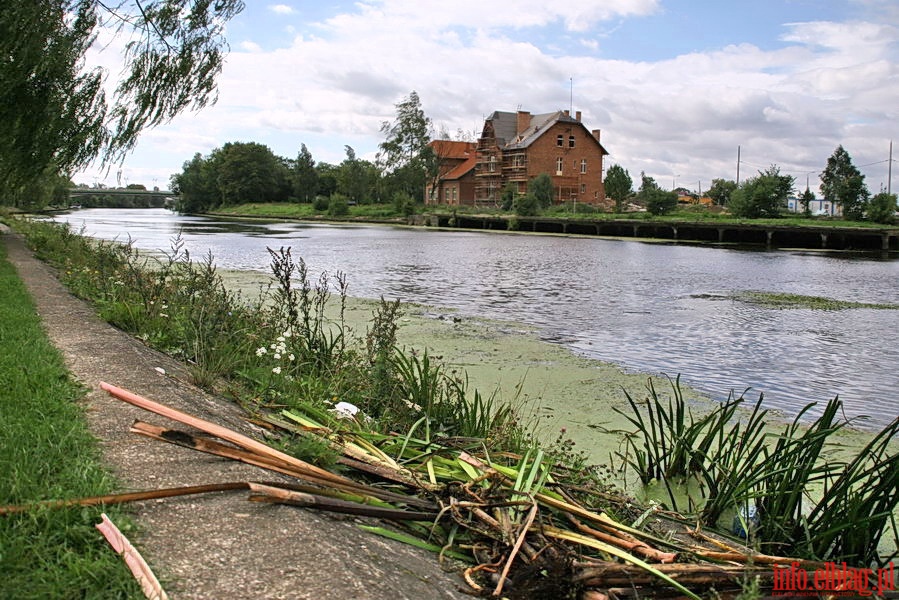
x=785, y=301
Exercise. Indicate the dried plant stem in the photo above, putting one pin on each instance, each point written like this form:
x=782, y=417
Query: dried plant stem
x=110, y=499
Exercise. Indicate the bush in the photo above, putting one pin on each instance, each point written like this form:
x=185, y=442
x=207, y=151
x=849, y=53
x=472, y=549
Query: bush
x=338, y=206
x=660, y=202
x=403, y=204
x=762, y=196
x=526, y=206
x=321, y=203
x=882, y=208
x=510, y=192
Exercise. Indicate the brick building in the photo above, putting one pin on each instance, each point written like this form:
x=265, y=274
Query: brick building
x=455, y=173
x=517, y=147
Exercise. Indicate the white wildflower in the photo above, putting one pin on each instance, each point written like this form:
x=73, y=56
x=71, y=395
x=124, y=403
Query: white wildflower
x=261, y=350
x=291, y=357
x=345, y=410
x=276, y=370
x=276, y=356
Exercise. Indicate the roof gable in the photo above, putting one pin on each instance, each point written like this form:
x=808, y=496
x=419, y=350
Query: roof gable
x=450, y=149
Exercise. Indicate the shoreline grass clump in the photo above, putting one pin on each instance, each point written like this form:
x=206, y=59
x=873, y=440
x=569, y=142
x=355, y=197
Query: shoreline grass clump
x=46, y=452
x=790, y=494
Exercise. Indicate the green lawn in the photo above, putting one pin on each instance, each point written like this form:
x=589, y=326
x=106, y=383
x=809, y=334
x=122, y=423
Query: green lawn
x=388, y=211
x=46, y=452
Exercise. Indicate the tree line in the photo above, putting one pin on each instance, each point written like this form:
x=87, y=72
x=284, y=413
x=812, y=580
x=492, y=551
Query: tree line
x=765, y=195
x=248, y=172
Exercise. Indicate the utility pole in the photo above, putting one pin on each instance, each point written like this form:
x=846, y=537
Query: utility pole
x=890, y=170
x=738, y=166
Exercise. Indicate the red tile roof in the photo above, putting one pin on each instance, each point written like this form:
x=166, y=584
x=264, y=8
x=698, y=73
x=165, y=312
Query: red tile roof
x=450, y=149
x=460, y=170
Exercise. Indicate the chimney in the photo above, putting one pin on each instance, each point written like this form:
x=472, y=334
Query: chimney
x=596, y=134
x=524, y=121
x=567, y=113
x=577, y=116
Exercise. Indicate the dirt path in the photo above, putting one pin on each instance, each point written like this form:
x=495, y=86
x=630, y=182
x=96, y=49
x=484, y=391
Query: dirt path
x=218, y=545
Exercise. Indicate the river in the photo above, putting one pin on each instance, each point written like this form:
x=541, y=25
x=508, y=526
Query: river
x=647, y=307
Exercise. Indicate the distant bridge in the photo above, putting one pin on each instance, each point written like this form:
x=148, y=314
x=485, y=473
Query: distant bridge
x=75, y=192
x=121, y=198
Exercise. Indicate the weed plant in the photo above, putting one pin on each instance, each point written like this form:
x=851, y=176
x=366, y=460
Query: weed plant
x=282, y=351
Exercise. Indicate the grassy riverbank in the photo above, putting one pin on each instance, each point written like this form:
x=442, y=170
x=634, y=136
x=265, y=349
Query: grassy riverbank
x=46, y=452
x=300, y=348
x=388, y=212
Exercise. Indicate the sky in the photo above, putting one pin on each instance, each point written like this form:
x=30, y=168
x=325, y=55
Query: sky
x=677, y=87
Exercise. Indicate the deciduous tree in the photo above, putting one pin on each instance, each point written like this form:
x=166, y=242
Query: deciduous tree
x=304, y=178
x=54, y=112
x=541, y=188
x=882, y=208
x=762, y=196
x=249, y=172
x=619, y=186
x=843, y=183
x=196, y=184
x=657, y=200
x=355, y=178
x=806, y=201
x=405, y=154
x=721, y=191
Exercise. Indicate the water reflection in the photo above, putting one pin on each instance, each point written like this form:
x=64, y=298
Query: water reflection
x=647, y=307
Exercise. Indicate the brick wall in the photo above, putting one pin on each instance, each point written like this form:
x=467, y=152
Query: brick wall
x=544, y=153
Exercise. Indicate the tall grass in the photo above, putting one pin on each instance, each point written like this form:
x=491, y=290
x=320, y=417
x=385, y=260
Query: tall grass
x=46, y=452
x=806, y=503
x=282, y=350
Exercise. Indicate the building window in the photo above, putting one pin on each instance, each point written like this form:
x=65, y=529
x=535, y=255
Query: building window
x=560, y=140
x=571, y=141
x=596, y=195
x=492, y=164
x=559, y=166
x=583, y=188
x=583, y=165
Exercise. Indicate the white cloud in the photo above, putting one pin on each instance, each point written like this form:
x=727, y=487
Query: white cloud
x=249, y=46
x=831, y=83
x=281, y=9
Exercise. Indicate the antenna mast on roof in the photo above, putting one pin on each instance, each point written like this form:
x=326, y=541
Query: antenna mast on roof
x=570, y=95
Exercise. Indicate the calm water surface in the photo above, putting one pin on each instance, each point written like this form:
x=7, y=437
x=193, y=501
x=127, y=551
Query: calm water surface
x=646, y=307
